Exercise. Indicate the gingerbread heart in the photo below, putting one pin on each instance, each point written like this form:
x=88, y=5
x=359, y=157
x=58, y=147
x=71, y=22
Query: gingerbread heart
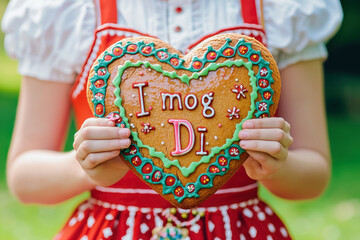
x=184, y=112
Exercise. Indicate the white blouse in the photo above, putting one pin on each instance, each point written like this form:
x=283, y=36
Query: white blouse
x=51, y=39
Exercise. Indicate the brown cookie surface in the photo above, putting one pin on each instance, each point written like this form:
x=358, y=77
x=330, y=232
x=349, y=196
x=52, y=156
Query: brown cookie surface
x=184, y=112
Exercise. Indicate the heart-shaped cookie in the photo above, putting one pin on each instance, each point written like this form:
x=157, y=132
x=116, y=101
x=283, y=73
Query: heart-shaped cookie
x=184, y=112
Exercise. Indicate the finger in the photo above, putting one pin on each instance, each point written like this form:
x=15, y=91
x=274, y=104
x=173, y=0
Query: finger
x=267, y=123
x=272, y=134
x=273, y=148
x=95, y=146
x=252, y=168
x=268, y=164
x=95, y=122
x=94, y=159
x=100, y=133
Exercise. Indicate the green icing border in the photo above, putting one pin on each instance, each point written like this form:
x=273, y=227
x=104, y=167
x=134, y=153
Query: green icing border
x=186, y=171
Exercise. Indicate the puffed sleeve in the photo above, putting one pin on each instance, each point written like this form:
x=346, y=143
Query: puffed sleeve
x=297, y=30
x=50, y=39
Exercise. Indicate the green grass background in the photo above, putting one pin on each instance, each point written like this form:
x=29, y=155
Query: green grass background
x=335, y=215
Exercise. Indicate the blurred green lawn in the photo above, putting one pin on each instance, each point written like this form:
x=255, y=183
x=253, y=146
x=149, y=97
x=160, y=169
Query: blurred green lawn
x=335, y=215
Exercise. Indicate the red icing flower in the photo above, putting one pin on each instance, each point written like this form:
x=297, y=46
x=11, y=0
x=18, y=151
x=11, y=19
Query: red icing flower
x=136, y=161
x=163, y=55
x=263, y=72
x=99, y=96
x=240, y=91
x=233, y=113
x=211, y=55
x=132, y=48
x=267, y=95
x=157, y=176
x=107, y=57
x=223, y=161
x=228, y=52
x=170, y=181
x=117, y=51
x=191, y=188
x=99, y=110
x=254, y=58
x=174, y=61
x=147, y=49
x=234, y=152
x=115, y=117
x=147, y=128
x=101, y=71
x=204, y=179
x=197, y=64
x=99, y=83
x=147, y=168
x=214, y=169
x=243, y=50
x=263, y=83
x=179, y=191
x=263, y=106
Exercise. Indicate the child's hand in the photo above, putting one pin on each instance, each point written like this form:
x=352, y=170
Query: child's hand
x=266, y=141
x=97, y=145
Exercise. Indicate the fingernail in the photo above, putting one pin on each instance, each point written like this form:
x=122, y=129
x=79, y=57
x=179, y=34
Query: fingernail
x=110, y=123
x=242, y=144
x=243, y=134
x=248, y=124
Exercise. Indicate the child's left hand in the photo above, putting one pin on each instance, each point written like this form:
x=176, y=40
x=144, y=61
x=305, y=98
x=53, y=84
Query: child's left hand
x=267, y=141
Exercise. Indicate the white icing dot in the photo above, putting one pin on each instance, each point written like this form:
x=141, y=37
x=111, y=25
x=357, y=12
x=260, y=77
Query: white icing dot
x=162, y=124
x=200, y=78
x=242, y=237
x=130, y=114
x=133, y=95
x=162, y=143
x=149, y=69
x=145, y=94
x=207, y=143
x=84, y=238
x=283, y=232
x=248, y=213
x=132, y=125
x=261, y=216
x=216, y=138
x=148, y=216
x=252, y=232
x=236, y=80
x=271, y=227
x=268, y=237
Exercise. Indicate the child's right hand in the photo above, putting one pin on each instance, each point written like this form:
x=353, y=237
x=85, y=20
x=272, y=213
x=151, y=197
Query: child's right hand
x=97, y=145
